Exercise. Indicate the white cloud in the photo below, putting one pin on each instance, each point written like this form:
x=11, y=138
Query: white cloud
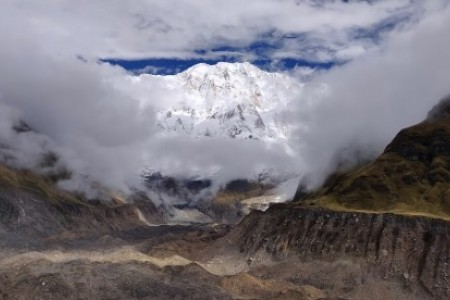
x=172, y=28
x=102, y=131
x=106, y=133
x=368, y=101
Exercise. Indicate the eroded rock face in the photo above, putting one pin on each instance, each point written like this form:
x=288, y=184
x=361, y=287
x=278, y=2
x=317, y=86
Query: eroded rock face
x=8, y=211
x=24, y=215
x=412, y=251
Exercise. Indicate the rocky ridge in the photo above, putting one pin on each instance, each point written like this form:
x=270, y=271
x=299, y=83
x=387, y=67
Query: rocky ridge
x=412, y=253
x=412, y=175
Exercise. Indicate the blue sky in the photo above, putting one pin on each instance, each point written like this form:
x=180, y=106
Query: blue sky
x=165, y=37
x=166, y=66
x=155, y=38
x=263, y=51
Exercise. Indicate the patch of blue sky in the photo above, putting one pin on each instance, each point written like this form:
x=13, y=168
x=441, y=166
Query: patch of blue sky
x=260, y=53
x=164, y=66
x=263, y=51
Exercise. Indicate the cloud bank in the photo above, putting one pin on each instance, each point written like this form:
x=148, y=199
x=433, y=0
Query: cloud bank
x=100, y=130
x=366, y=102
x=50, y=78
x=307, y=29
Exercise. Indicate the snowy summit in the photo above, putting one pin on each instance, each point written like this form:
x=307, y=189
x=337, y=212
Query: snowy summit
x=236, y=100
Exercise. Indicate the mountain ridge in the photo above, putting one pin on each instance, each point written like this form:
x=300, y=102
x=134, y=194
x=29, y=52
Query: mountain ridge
x=411, y=176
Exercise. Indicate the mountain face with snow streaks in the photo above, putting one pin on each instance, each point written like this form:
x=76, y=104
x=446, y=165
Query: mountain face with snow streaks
x=236, y=100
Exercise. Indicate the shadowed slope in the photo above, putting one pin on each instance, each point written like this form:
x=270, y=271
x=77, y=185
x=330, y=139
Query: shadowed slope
x=31, y=204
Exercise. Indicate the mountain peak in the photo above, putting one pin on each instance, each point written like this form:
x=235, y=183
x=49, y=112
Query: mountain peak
x=243, y=68
x=440, y=110
x=236, y=100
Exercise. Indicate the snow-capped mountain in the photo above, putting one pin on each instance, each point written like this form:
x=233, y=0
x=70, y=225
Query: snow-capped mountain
x=236, y=100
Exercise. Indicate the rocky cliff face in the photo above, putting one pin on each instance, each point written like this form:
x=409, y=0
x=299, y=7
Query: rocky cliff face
x=23, y=213
x=412, y=252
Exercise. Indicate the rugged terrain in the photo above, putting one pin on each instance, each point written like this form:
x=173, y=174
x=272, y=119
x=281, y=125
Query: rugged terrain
x=378, y=231
x=288, y=252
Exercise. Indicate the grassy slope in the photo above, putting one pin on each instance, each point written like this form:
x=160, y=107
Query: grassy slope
x=36, y=184
x=46, y=188
x=411, y=177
